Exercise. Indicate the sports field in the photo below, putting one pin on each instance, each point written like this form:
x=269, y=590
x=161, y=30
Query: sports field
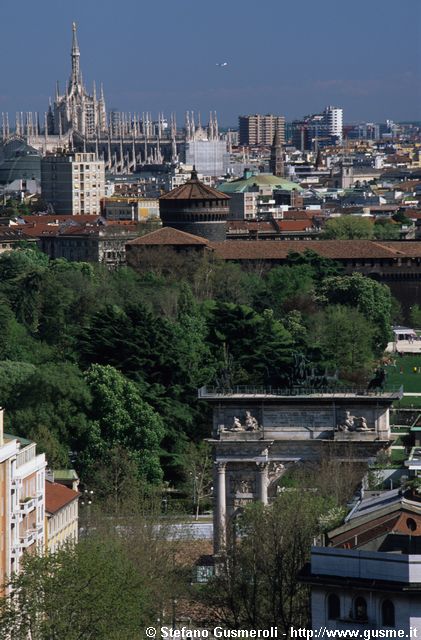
x=403, y=373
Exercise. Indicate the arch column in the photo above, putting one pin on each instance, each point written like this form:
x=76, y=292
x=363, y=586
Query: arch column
x=263, y=481
x=221, y=507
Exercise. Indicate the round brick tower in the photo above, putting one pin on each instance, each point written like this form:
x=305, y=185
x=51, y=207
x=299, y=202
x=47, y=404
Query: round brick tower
x=195, y=208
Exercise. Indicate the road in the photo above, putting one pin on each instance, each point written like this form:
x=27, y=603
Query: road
x=190, y=531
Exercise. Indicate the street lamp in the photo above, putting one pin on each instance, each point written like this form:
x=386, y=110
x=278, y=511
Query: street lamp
x=174, y=609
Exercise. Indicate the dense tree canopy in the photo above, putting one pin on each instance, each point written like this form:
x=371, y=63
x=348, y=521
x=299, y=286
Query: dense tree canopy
x=349, y=227
x=98, y=363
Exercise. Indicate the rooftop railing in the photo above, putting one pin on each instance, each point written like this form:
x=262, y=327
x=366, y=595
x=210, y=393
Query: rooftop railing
x=27, y=454
x=256, y=391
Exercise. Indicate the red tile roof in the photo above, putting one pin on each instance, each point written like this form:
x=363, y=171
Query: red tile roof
x=169, y=236
x=58, y=496
x=55, y=218
x=334, y=249
x=193, y=189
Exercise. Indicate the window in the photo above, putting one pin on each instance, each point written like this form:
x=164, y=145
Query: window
x=360, y=608
x=388, y=613
x=411, y=524
x=333, y=607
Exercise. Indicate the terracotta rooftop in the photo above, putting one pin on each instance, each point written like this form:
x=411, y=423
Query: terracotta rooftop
x=59, y=219
x=169, y=236
x=58, y=496
x=193, y=189
x=334, y=249
x=37, y=229
x=12, y=233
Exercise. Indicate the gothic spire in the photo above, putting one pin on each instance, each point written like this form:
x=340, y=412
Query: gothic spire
x=75, y=55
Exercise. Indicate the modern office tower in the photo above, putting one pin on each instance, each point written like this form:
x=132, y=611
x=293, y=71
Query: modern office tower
x=22, y=501
x=334, y=121
x=318, y=130
x=260, y=129
x=73, y=183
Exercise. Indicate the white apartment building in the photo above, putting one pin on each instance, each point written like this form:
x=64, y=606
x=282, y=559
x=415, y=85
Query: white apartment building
x=22, y=501
x=334, y=119
x=73, y=183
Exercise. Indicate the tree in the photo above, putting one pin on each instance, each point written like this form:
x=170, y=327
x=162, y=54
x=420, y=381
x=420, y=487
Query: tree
x=415, y=315
x=286, y=285
x=115, y=479
x=400, y=217
x=343, y=338
x=12, y=376
x=368, y=296
x=121, y=418
x=53, y=399
x=321, y=267
x=258, y=344
x=91, y=591
x=256, y=586
x=385, y=230
x=21, y=274
x=197, y=464
x=348, y=228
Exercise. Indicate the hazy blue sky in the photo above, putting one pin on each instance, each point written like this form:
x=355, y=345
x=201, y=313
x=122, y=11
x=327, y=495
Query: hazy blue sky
x=285, y=56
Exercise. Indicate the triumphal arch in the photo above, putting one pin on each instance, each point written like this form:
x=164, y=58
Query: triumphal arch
x=258, y=433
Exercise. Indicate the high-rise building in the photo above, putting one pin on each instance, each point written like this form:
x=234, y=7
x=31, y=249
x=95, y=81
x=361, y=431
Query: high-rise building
x=334, y=120
x=22, y=501
x=260, y=129
x=318, y=130
x=73, y=183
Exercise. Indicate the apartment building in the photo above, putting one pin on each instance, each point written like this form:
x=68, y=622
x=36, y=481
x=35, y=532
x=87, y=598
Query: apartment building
x=260, y=129
x=22, y=501
x=61, y=510
x=73, y=183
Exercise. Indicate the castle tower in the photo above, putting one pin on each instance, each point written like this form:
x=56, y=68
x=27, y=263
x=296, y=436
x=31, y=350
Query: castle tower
x=196, y=208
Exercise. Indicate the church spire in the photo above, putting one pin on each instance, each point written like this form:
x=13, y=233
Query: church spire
x=75, y=55
x=276, y=163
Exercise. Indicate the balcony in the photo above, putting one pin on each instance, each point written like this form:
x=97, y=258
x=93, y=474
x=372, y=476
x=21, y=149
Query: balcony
x=27, y=505
x=29, y=538
x=26, y=455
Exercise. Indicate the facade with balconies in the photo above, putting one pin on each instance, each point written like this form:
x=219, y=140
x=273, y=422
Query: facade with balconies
x=22, y=495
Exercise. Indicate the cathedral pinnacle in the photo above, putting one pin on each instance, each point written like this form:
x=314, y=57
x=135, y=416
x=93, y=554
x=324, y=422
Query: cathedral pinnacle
x=75, y=80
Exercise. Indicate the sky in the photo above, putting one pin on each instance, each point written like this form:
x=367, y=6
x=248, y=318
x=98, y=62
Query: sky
x=291, y=57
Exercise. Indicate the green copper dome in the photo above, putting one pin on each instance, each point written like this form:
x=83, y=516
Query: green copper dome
x=260, y=180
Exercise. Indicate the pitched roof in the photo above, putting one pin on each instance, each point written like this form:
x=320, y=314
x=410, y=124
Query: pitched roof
x=8, y=234
x=58, y=496
x=193, y=189
x=169, y=236
x=334, y=249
